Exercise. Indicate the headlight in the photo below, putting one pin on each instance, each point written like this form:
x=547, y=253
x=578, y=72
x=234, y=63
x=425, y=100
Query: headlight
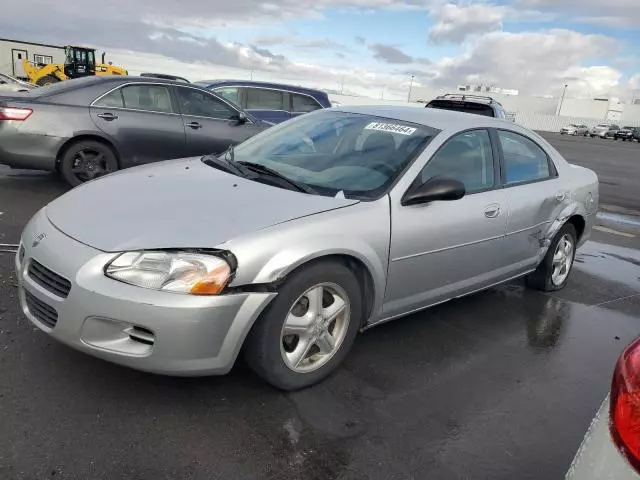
x=178, y=272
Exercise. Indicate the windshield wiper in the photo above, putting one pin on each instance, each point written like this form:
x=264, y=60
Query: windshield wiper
x=261, y=169
x=224, y=162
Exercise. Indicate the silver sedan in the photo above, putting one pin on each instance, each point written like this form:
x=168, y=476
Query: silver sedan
x=575, y=129
x=286, y=247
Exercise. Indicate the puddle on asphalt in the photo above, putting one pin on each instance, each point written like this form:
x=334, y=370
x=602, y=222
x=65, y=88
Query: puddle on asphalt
x=618, y=264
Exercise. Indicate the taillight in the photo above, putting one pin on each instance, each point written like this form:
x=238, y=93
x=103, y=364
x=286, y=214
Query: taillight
x=624, y=409
x=13, y=113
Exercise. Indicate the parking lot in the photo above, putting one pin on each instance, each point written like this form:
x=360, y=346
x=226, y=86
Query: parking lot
x=501, y=384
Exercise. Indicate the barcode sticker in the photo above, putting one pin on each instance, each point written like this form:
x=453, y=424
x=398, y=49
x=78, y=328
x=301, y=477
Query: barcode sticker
x=391, y=128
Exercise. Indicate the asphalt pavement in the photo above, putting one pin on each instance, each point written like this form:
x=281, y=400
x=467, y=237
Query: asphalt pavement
x=501, y=384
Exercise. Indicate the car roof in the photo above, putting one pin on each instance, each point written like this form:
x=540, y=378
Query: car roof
x=252, y=83
x=431, y=117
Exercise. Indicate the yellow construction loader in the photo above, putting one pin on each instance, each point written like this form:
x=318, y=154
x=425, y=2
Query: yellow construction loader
x=79, y=62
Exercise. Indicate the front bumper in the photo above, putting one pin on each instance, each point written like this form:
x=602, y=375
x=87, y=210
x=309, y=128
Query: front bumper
x=148, y=330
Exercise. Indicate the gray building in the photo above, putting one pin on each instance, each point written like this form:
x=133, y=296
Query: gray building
x=14, y=52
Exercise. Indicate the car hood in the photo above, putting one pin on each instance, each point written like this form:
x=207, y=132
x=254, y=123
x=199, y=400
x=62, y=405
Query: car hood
x=177, y=204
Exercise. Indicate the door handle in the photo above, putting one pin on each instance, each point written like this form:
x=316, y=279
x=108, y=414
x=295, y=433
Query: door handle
x=107, y=116
x=492, y=211
x=194, y=125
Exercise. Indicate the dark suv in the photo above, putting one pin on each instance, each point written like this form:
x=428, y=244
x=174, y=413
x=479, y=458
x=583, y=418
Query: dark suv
x=627, y=133
x=270, y=102
x=478, y=104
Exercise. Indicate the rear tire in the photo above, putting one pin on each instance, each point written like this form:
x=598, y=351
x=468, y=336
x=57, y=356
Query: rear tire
x=86, y=160
x=47, y=80
x=271, y=348
x=550, y=274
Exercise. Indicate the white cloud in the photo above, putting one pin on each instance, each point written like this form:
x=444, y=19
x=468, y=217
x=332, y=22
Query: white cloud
x=533, y=62
x=615, y=13
x=455, y=23
x=176, y=37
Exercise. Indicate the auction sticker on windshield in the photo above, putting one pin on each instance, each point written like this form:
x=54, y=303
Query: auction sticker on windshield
x=390, y=127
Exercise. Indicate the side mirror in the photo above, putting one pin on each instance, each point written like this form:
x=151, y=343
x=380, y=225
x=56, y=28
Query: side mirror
x=241, y=118
x=437, y=188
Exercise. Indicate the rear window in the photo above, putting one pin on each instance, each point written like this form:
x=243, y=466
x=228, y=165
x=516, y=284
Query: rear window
x=460, y=106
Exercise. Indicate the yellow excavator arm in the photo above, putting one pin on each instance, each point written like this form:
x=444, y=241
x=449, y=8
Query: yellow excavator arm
x=45, y=75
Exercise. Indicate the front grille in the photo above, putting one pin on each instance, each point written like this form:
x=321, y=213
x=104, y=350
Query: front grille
x=49, y=280
x=44, y=313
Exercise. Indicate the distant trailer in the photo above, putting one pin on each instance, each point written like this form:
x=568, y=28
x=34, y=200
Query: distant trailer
x=14, y=52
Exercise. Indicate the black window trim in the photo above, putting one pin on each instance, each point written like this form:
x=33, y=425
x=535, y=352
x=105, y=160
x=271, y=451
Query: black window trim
x=168, y=86
x=553, y=171
x=497, y=183
x=214, y=95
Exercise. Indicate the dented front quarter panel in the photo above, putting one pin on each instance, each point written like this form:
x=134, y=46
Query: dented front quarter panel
x=361, y=231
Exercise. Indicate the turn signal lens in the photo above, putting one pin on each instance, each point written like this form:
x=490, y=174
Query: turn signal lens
x=624, y=408
x=214, y=282
x=12, y=113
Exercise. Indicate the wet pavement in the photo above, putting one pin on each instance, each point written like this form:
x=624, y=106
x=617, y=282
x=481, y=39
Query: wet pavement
x=501, y=385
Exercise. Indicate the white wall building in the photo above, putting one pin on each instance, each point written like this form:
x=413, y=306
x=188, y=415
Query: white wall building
x=14, y=52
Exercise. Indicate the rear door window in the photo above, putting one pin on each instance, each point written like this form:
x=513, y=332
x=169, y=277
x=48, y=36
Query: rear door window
x=524, y=160
x=113, y=99
x=264, y=99
x=229, y=93
x=201, y=104
x=303, y=103
x=153, y=98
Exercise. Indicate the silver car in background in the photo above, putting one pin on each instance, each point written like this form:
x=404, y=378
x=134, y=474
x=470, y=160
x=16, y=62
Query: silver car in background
x=12, y=84
x=603, y=130
x=285, y=247
x=575, y=129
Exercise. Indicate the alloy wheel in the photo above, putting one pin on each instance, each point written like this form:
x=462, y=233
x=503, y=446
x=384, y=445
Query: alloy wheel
x=562, y=260
x=89, y=163
x=315, y=327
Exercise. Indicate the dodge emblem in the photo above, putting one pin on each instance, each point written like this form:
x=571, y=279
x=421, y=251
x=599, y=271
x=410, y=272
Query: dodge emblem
x=37, y=239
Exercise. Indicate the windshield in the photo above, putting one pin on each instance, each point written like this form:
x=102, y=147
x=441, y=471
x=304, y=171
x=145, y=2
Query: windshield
x=358, y=155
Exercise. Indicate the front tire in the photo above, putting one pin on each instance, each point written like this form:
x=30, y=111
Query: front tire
x=308, y=329
x=47, y=80
x=85, y=160
x=553, y=272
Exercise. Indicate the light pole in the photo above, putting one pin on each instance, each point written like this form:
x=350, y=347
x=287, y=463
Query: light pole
x=564, y=90
x=342, y=86
x=410, y=85
x=382, y=92
x=251, y=74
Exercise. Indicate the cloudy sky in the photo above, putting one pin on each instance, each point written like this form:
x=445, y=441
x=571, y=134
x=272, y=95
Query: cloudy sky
x=362, y=46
